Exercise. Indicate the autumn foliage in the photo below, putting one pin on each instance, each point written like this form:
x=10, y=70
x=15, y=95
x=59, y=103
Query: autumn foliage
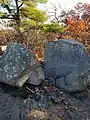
x=77, y=29
x=78, y=22
x=76, y=26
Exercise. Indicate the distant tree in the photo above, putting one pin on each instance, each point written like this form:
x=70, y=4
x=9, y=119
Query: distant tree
x=14, y=9
x=78, y=22
x=31, y=16
x=22, y=14
x=54, y=27
x=54, y=13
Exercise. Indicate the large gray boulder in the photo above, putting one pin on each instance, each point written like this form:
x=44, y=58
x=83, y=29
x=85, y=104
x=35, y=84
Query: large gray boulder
x=68, y=63
x=18, y=64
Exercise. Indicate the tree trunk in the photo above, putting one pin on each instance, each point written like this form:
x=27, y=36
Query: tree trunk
x=17, y=19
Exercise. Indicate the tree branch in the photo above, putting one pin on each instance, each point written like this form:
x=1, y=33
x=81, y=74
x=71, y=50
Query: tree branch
x=21, y=3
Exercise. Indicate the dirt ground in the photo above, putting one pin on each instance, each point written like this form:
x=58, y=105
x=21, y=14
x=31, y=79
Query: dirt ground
x=44, y=102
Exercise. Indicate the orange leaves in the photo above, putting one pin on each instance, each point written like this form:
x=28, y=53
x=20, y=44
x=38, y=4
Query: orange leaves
x=76, y=25
x=70, y=22
x=81, y=25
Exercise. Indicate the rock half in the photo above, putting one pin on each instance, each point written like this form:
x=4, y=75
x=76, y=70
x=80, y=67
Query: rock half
x=17, y=65
x=68, y=63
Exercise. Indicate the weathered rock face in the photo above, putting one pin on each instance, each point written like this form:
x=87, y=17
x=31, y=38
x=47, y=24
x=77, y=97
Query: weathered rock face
x=17, y=64
x=36, y=76
x=68, y=63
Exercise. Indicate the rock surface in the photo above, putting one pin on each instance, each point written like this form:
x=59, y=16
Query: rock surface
x=17, y=65
x=68, y=63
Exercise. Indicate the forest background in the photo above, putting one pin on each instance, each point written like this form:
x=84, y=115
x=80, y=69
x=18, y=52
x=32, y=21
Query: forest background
x=22, y=21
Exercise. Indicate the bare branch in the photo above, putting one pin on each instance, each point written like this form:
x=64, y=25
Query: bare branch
x=21, y=3
x=55, y=13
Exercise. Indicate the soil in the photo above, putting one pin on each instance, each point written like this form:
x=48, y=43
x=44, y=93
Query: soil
x=43, y=102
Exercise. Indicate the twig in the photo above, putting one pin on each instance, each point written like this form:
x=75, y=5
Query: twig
x=29, y=89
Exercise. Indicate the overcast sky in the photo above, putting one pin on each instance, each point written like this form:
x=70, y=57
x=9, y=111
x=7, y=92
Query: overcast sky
x=65, y=4
x=61, y=5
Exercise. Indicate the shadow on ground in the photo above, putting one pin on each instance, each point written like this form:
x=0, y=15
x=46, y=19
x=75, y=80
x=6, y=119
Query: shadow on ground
x=44, y=102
